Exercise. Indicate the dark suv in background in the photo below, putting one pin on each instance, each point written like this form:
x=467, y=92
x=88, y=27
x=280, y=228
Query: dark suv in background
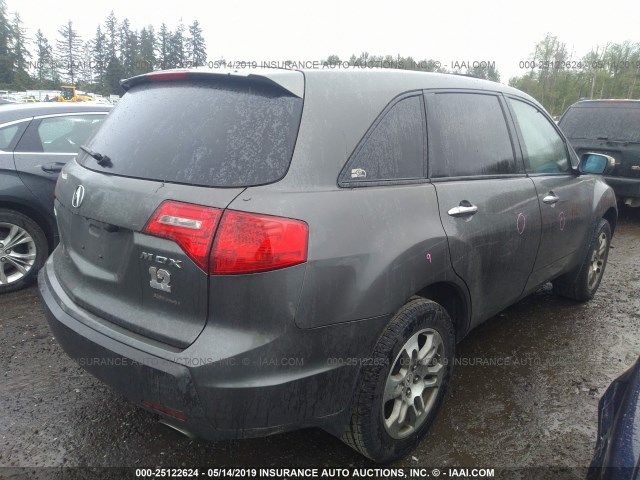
x=611, y=127
x=36, y=140
x=247, y=253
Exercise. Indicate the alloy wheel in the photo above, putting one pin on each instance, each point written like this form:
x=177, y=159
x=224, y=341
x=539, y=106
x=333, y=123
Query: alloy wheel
x=596, y=266
x=17, y=253
x=413, y=383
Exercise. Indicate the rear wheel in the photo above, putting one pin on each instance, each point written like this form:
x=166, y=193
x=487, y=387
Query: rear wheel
x=582, y=284
x=23, y=250
x=404, y=385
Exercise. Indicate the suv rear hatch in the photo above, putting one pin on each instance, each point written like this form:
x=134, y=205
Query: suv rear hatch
x=180, y=146
x=611, y=127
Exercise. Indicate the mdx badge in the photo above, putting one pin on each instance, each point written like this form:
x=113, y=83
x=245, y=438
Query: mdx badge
x=152, y=257
x=78, y=196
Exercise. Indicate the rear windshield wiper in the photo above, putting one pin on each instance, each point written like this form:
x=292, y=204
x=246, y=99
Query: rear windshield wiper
x=102, y=160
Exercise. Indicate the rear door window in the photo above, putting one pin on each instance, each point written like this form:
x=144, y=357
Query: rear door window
x=197, y=133
x=394, y=148
x=59, y=134
x=468, y=136
x=544, y=149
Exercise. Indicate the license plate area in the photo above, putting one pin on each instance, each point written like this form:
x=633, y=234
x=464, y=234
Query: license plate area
x=101, y=244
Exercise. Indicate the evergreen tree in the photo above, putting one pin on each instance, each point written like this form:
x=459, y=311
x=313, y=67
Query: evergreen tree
x=44, y=59
x=86, y=71
x=196, y=48
x=178, y=53
x=112, y=37
x=164, y=46
x=147, y=57
x=114, y=73
x=116, y=51
x=124, y=31
x=6, y=56
x=100, y=60
x=20, y=45
x=128, y=48
x=69, y=52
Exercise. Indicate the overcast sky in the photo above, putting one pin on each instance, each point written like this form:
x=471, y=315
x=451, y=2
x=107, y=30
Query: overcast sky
x=491, y=30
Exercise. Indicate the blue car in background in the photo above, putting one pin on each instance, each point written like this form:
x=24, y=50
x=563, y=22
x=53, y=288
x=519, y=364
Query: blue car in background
x=617, y=455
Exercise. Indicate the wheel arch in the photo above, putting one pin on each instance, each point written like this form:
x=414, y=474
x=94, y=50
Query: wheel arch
x=453, y=299
x=604, y=204
x=611, y=216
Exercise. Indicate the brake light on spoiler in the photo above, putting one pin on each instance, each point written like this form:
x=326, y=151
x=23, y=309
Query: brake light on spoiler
x=167, y=75
x=231, y=242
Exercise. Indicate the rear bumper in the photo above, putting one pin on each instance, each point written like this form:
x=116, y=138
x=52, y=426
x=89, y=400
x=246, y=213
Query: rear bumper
x=624, y=187
x=299, y=378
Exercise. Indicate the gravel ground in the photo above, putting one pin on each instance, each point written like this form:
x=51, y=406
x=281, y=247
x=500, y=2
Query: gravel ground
x=537, y=407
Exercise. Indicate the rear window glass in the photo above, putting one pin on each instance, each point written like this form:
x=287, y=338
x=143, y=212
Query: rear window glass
x=608, y=123
x=196, y=133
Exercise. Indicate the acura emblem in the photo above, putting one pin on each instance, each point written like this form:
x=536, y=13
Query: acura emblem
x=78, y=196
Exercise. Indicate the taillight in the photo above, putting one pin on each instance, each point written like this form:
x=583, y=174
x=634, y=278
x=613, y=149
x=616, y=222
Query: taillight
x=243, y=243
x=247, y=242
x=190, y=226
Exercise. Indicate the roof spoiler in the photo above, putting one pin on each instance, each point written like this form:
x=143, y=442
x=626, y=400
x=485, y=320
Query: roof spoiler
x=290, y=81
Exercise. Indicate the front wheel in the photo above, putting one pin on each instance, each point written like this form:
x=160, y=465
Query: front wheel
x=404, y=385
x=582, y=286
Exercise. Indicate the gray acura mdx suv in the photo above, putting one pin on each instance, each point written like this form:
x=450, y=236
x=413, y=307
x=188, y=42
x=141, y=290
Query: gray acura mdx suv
x=247, y=253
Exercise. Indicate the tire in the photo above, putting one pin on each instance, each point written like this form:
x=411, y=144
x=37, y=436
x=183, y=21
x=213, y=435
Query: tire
x=372, y=430
x=582, y=284
x=23, y=250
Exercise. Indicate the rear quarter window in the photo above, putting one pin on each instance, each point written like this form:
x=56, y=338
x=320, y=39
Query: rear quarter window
x=394, y=147
x=217, y=135
x=9, y=134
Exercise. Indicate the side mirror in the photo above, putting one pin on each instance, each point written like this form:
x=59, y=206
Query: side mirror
x=596, y=163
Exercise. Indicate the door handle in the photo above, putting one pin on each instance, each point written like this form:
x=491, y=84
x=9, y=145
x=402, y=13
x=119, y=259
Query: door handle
x=551, y=199
x=54, y=167
x=465, y=208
